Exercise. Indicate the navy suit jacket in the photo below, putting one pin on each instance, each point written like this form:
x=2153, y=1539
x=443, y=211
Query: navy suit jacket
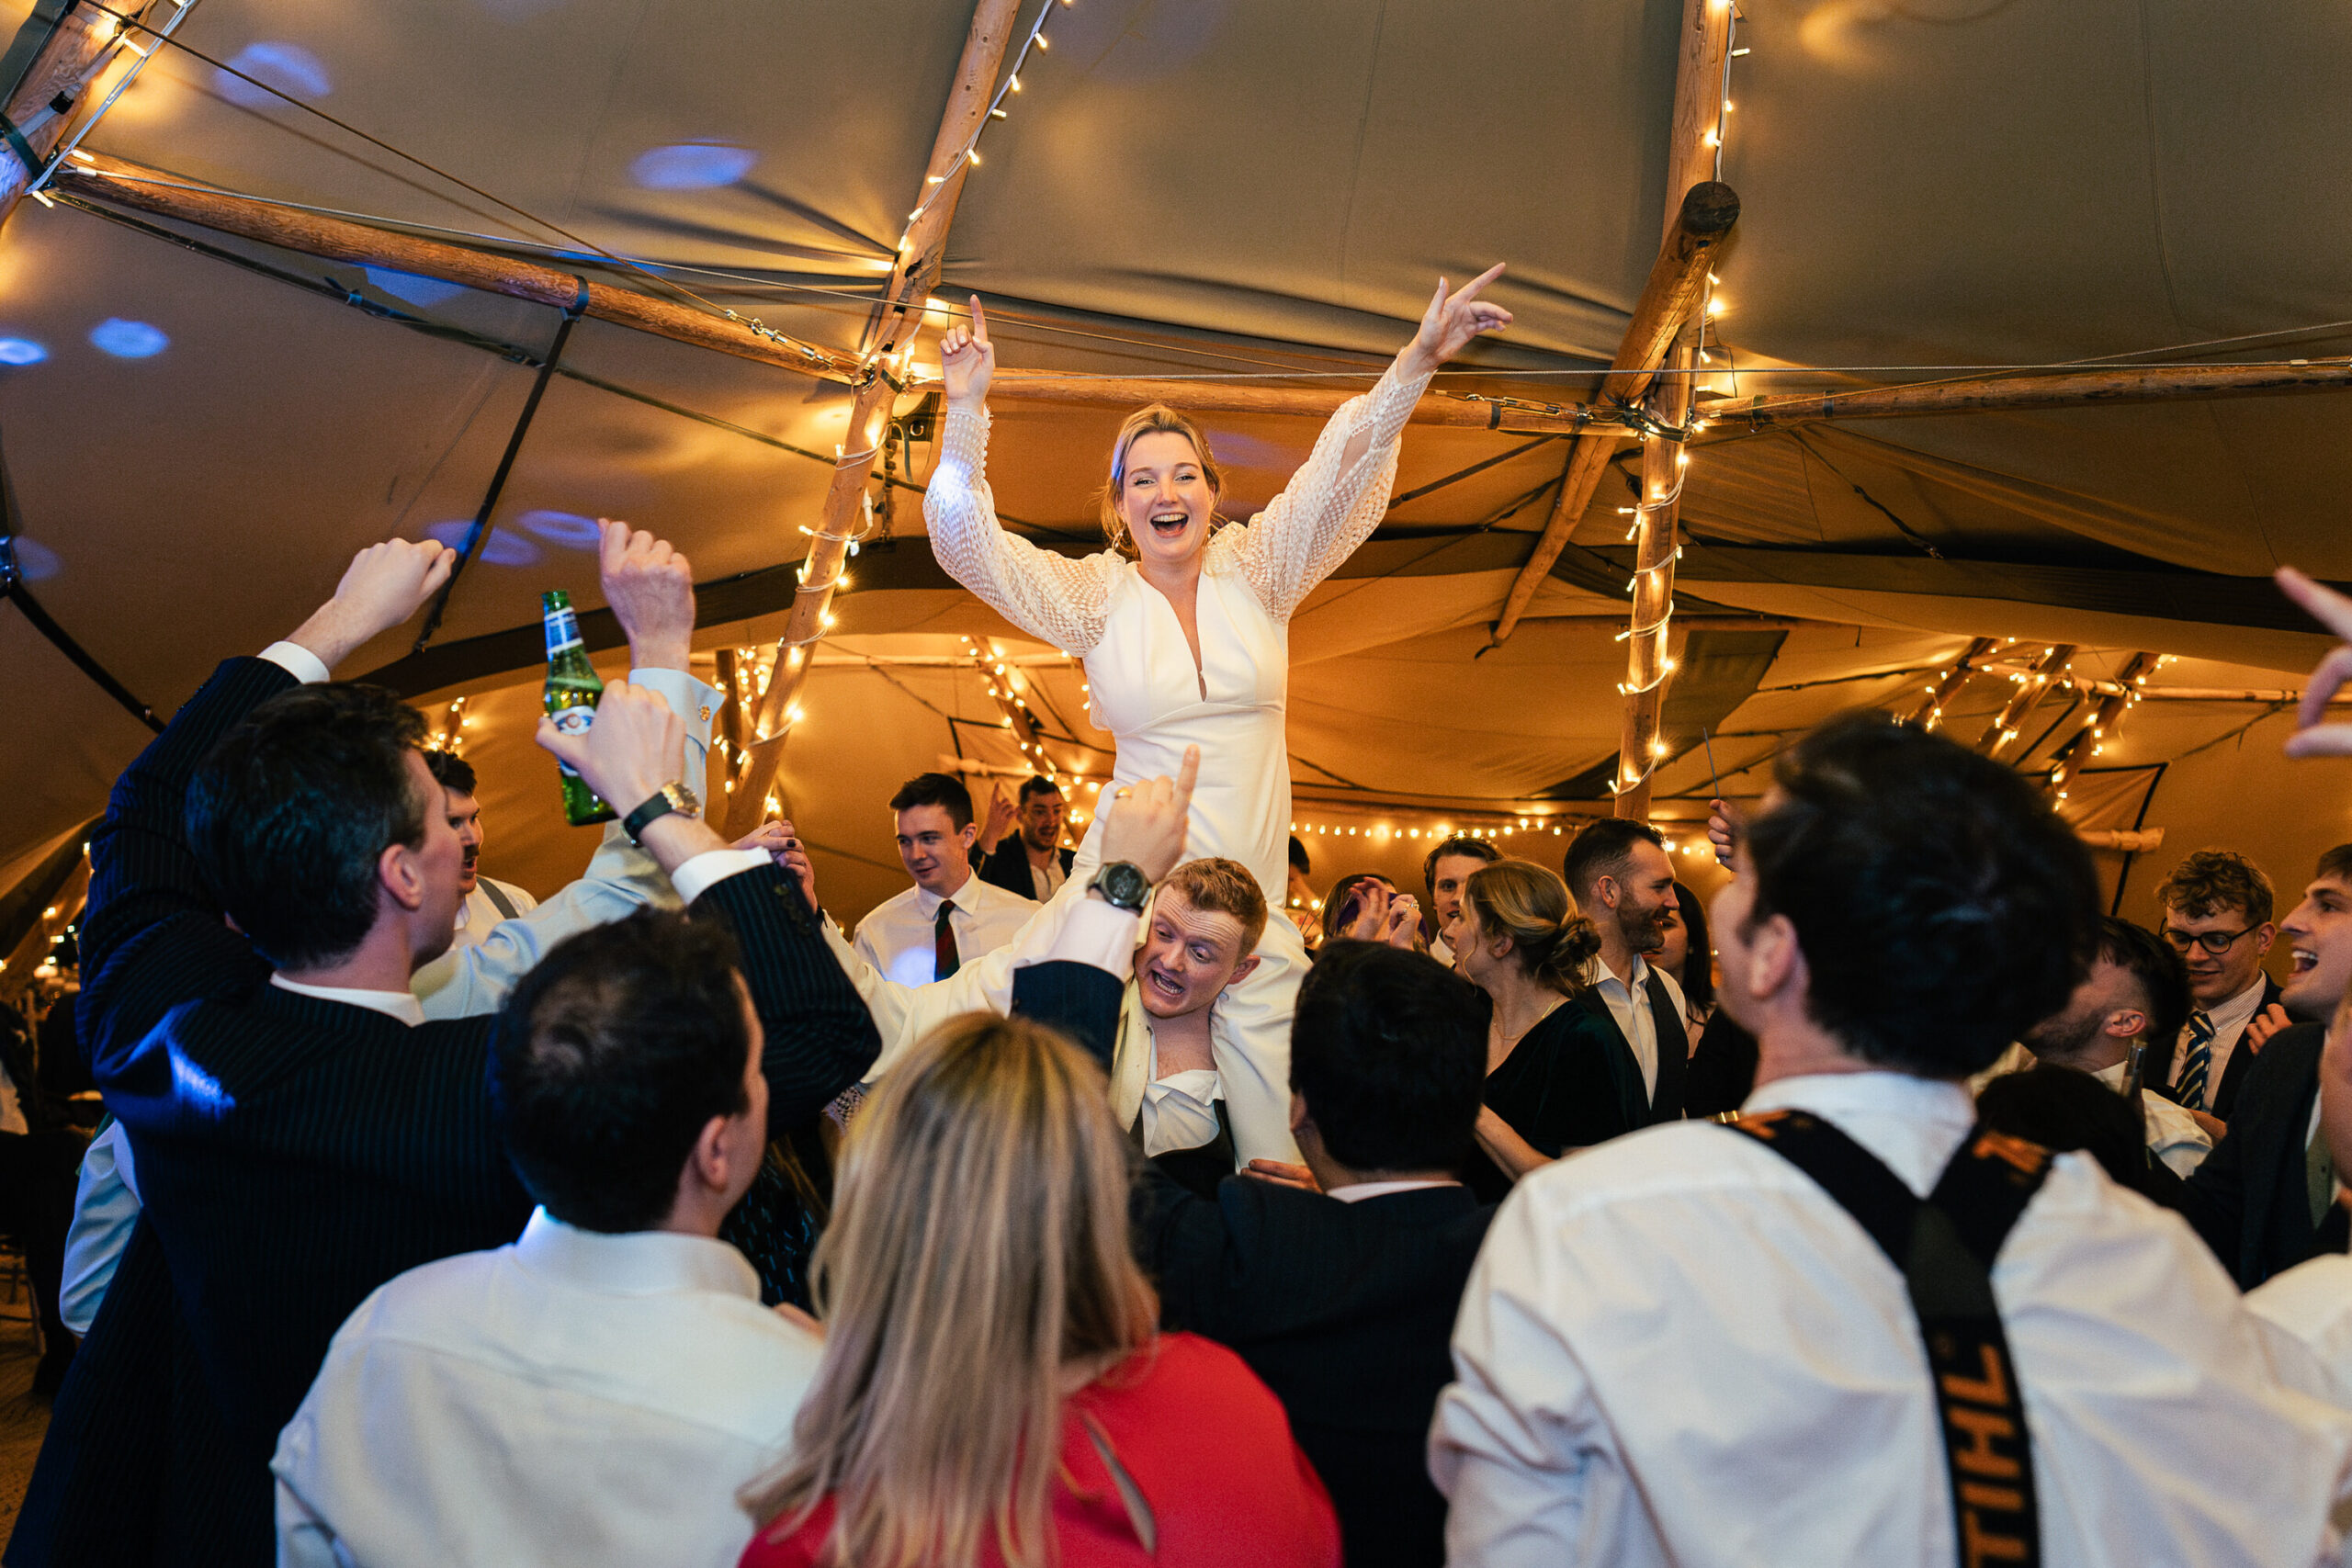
x=293, y=1154
x=2250, y=1199
x=1007, y=866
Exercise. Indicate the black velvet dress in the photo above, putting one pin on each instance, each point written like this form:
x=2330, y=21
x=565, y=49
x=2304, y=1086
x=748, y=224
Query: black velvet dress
x=1569, y=1082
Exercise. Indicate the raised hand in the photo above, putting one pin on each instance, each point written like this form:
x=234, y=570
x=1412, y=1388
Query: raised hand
x=1144, y=824
x=651, y=588
x=1451, y=321
x=636, y=746
x=1002, y=814
x=1373, y=904
x=385, y=585
x=966, y=359
x=2334, y=611
x=1402, y=926
x=1723, y=822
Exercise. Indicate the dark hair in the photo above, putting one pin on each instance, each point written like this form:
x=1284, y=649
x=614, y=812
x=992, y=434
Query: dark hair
x=1601, y=849
x=1299, y=857
x=2336, y=865
x=1031, y=787
x=936, y=789
x=2064, y=1108
x=2213, y=880
x=609, y=1060
x=1389, y=1049
x=1460, y=844
x=1698, y=976
x=1941, y=906
x=2156, y=968
x=288, y=814
x=450, y=771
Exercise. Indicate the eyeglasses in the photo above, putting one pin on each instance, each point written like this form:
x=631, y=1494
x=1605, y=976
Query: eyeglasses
x=2216, y=943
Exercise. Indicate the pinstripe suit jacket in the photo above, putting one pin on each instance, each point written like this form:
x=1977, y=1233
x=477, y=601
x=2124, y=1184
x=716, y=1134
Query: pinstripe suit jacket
x=294, y=1154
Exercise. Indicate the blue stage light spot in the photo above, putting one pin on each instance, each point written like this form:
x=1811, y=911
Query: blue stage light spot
x=21, y=351
x=422, y=291
x=567, y=528
x=289, y=67
x=128, y=340
x=35, y=559
x=692, y=165
x=500, y=549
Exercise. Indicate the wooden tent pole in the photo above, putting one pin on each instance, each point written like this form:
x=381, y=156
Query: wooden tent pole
x=2065, y=388
x=1930, y=711
x=1648, y=666
x=912, y=281
x=1676, y=283
x=55, y=84
x=2086, y=743
x=2048, y=670
x=119, y=184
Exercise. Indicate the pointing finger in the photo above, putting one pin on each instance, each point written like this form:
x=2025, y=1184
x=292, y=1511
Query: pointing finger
x=979, y=321
x=1188, y=773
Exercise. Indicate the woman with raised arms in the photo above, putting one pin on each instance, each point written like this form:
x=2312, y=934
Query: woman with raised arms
x=1183, y=624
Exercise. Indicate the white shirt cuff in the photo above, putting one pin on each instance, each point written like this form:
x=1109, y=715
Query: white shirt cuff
x=692, y=700
x=297, y=661
x=1099, y=934
x=699, y=875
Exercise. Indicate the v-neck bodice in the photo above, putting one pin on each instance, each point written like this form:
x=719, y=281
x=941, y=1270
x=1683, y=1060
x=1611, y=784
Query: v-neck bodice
x=1148, y=690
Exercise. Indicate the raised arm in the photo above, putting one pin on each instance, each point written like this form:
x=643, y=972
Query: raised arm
x=1046, y=595
x=1334, y=501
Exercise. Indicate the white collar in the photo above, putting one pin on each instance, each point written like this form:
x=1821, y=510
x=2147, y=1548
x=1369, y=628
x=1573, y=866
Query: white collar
x=2234, y=1014
x=1595, y=973
x=1357, y=1191
x=633, y=1263
x=1879, y=1092
x=964, y=898
x=401, y=1006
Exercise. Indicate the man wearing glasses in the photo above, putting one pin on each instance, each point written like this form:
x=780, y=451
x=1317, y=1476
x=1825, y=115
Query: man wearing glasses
x=2218, y=908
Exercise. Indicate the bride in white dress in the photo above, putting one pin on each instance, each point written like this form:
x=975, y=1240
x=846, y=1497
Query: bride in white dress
x=1184, y=626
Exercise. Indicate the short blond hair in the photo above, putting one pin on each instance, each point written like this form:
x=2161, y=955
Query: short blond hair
x=978, y=1247
x=1152, y=419
x=1218, y=886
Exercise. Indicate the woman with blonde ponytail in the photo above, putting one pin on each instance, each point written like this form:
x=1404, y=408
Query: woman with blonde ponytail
x=993, y=1393
x=1557, y=1080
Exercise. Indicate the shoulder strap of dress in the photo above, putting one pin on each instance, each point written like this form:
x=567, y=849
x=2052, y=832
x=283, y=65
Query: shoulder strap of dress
x=1945, y=1246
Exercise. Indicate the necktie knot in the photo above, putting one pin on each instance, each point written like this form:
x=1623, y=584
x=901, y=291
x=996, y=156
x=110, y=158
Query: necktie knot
x=2201, y=1027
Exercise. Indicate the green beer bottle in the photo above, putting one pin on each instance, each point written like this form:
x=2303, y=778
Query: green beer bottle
x=572, y=692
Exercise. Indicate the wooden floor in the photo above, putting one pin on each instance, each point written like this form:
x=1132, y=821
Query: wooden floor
x=23, y=1418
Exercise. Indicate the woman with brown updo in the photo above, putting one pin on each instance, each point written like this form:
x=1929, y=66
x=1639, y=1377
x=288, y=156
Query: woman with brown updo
x=1557, y=1080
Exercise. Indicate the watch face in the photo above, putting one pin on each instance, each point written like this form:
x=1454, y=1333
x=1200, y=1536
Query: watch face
x=1124, y=885
x=685, y=800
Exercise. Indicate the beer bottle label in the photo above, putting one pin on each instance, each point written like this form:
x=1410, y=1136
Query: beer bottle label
x=563, y=631
x=571, y=721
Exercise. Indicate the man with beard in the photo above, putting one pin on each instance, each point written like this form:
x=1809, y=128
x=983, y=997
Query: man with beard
x=487, y=899
x=2136, y=992
x=1623, y=884
x=2266, y=1199
x=1030, y=861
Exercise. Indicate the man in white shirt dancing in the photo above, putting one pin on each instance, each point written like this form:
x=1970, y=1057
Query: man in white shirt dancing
x=949, y=917
x=1680, y=1348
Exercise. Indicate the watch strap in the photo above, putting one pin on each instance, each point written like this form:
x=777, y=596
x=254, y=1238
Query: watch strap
x=666, y=800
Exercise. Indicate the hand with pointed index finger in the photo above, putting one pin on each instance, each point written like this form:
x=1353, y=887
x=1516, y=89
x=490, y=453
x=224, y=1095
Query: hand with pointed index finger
x=2334, y=611
x=1451, y=321
x=967, y=359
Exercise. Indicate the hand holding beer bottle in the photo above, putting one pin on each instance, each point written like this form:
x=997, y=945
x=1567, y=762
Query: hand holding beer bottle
x=650, y=589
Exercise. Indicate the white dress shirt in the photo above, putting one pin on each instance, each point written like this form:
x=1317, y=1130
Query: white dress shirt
x=478, y=915
x=573, y=1398
x=1629, y=1004
x=2230, y=1020
x=900, y=937
x=105, y=1205
x=1677, y=1350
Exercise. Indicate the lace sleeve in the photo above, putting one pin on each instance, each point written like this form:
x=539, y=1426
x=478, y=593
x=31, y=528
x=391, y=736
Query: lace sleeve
x=1047, y=595
x=1331, y=505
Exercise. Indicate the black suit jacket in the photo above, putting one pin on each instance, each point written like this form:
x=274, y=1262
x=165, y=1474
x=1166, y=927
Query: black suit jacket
x=293, y=1154
x=2250, y=1200
x=1007, y=866
x=2155, y=1070
x=1345, y=1309
x=1673, y=1045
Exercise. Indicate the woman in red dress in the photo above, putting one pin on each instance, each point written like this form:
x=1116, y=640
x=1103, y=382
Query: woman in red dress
x=993, y=1392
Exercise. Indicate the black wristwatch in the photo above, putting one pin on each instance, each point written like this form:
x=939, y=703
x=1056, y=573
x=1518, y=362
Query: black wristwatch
x=672, y=796
x=1122, y=885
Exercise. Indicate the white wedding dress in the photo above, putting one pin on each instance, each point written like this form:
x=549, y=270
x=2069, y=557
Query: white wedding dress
x=1148, y=693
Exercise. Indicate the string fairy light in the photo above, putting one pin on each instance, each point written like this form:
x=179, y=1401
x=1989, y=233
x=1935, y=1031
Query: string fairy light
x=969, y=153
x=108, y=32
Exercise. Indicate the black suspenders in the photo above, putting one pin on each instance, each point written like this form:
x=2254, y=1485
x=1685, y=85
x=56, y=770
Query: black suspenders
x=1945, y=1247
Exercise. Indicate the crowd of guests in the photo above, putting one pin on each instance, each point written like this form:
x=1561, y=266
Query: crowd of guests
x=1908, y=1210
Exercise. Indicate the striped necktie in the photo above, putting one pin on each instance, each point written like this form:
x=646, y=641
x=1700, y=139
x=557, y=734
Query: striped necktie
x=2194, y=1065
x=945, y=959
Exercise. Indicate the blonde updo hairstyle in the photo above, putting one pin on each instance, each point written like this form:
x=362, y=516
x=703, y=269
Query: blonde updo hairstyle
x=1155, y=419
x=1530, y=904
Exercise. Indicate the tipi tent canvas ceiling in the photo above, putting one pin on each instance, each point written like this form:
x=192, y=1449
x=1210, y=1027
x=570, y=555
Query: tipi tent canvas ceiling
x=1207, y=188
